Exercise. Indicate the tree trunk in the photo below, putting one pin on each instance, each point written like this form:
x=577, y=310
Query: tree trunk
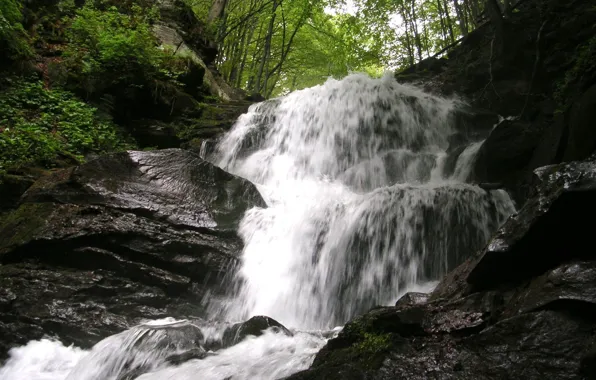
x=449, y=22
x=217, y=11
x=461, y=18
x=267, y=48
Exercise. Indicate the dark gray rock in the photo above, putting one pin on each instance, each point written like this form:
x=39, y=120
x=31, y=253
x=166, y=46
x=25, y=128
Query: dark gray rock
x=582, y=134
x=95, y=249
x=535, y=239
x=254, y=326
x=412, y=298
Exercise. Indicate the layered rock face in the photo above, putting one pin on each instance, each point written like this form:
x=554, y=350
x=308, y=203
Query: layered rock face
x=522, y=308
x=94, y=249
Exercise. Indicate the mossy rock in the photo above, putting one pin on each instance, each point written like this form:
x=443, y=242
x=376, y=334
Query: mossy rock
x=22, y=225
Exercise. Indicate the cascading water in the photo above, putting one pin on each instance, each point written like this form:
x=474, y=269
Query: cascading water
x=361, y=208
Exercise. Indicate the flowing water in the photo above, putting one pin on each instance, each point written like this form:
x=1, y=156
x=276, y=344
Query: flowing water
x=362, y=207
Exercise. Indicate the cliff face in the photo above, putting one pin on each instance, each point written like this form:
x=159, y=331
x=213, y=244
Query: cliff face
x=542, y=82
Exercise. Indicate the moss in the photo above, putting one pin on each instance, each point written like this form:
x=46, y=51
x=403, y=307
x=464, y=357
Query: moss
x=367, y=353
x=373, y=344
x=22, y=225
x=364, y=342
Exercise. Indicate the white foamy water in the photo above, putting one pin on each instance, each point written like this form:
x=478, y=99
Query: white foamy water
x=360, y=210
x=360, y=207
x=270, y=356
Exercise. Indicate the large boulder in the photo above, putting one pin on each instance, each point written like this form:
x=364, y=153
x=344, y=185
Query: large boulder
x=94, y=249
x=523, y=308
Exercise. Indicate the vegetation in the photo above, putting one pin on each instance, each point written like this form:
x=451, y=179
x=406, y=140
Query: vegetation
x=39, y=125
x=103, y=55
x=13, y=38
x=275, y=46
x=107, y=48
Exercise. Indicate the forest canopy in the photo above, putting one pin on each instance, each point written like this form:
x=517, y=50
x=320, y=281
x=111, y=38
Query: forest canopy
x=272, y=47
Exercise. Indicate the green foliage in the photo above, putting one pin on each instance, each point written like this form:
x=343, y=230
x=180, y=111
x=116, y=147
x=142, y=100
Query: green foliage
x=116, y=47
x=37, y=125
x=108, y=46
x=13, y=38
x=273, y=46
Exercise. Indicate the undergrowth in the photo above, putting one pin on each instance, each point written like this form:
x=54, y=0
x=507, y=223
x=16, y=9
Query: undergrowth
x=39, y=125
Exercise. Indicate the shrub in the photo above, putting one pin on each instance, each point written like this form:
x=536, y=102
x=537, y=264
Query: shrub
x=13, y=38
x=111, y=48
x=37, y=125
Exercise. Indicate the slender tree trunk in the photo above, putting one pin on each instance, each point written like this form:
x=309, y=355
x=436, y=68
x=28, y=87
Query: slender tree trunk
x=409, y=47
x=245, y=55
x=461, y=18
x=449, y=21
x=254, y=60
x=267, y=48
x=415, y=28
x=216, y=11
x=442, y=22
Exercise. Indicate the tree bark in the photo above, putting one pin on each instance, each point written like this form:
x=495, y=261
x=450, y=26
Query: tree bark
x=216, y=11
x=267, y=48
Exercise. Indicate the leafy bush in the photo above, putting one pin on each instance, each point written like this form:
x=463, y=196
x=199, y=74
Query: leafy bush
x=108, y=47
x=38, y=125
x=13, y=38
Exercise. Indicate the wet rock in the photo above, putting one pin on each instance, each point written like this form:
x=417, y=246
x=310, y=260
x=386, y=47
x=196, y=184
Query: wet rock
x=506, y=153
x=582, y=134
x=524, y=308
x=156, y=134
x=412, y=298
x=97, y=248
x=535, y=239
x=254, y=327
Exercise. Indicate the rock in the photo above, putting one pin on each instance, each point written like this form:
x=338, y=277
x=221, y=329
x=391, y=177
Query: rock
x=412, y=298
x=505, y=154
x=156, y=134
x=180, y=28
x=582, y=134
x=531, y=241
x=94, y=249
x=11, y=188
x=524, y=308
x=544, y=80
x=254, y=327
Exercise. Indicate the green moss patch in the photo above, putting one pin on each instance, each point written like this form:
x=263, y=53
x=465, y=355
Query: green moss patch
x=22, y=225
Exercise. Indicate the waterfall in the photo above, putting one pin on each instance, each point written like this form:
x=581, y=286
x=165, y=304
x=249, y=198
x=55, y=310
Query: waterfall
x=365, y=201
x=360, y=206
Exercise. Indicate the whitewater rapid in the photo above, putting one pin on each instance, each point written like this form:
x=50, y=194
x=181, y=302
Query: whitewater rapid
x=365, y=202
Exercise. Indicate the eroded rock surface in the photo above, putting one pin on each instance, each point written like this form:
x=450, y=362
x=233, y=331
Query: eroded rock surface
x=95, y=249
